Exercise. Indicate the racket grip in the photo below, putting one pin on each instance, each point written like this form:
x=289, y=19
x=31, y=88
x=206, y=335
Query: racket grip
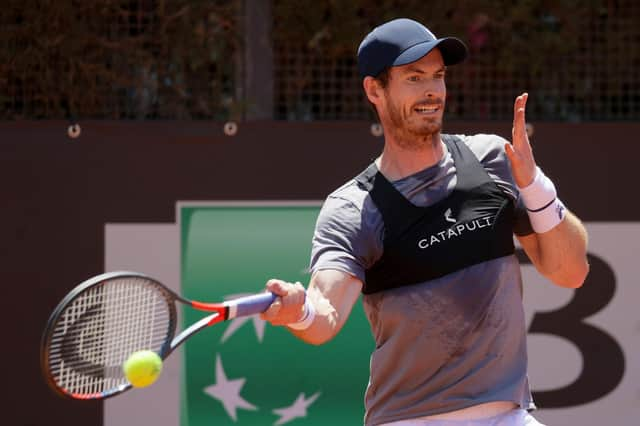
x=251, y=305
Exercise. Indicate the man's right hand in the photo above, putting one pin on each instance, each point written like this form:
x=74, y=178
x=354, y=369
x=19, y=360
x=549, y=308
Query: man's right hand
x=289, y=306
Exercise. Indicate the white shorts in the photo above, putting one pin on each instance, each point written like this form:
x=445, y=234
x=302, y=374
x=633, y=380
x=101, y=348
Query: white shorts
x=517, y=417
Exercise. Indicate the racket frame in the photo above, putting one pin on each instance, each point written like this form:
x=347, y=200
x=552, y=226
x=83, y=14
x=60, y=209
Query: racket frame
x=221, y=312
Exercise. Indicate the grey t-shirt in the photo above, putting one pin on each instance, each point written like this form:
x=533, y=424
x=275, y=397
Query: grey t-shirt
x=444, y=344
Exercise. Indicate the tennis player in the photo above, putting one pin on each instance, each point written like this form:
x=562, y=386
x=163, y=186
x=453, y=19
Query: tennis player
x=425, y=233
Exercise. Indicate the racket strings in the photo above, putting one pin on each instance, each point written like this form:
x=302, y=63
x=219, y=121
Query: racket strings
x=101, y=328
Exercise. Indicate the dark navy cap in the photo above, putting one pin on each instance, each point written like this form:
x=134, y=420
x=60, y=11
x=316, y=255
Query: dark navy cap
x=402, y=41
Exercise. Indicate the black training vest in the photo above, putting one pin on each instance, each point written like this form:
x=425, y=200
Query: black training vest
x=473, y=224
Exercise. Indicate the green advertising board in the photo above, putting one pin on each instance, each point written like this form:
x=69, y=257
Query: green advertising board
x=246, y=371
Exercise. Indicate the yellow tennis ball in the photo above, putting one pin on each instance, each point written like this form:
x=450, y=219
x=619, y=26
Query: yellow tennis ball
x=142, y=368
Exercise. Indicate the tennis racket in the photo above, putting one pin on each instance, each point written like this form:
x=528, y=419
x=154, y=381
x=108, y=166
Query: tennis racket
x=105, y=319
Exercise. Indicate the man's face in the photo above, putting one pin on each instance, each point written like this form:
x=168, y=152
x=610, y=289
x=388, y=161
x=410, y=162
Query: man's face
x=414, y=99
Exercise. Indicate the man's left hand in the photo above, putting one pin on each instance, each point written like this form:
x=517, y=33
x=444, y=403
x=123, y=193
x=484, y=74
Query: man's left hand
x=523, y=165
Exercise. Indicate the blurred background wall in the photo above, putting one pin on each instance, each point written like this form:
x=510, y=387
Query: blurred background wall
x=295, y=60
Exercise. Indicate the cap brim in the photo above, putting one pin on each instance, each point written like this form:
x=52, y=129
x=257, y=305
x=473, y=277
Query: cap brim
x=453, y=51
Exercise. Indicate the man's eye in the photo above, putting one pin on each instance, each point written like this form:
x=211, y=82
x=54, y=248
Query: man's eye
x=414, y=78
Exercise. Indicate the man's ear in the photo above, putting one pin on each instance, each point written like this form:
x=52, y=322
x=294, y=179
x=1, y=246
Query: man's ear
x=372, y=89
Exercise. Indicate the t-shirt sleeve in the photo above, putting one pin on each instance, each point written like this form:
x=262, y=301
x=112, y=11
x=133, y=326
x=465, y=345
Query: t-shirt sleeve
x=490, y=151
x=339, y=241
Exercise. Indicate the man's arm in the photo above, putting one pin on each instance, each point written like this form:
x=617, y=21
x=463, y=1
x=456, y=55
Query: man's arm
x=558, y=249
x=561, y=253
x=332, y=293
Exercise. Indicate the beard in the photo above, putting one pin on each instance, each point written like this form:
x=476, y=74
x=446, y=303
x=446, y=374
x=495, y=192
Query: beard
x=414, y=132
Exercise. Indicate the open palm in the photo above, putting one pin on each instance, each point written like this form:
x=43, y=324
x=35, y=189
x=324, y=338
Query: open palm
x=523, y=165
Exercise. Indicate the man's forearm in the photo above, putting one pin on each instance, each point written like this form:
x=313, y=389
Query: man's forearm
x=562, y=252
x=331, y=293
x=326, y=322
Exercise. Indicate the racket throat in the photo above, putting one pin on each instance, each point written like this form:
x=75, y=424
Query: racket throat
x=224, y=310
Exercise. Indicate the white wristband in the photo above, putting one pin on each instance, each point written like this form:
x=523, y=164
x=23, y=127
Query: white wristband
x=308, y=316
x=544, y=208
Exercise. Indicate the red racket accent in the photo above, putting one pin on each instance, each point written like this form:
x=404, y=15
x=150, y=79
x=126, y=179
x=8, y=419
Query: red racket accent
x=89, y=396
x=211, y=307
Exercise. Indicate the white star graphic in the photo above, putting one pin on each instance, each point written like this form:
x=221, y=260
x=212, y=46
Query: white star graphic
x=236, y=323
x=228, y=392
x=295, y=410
